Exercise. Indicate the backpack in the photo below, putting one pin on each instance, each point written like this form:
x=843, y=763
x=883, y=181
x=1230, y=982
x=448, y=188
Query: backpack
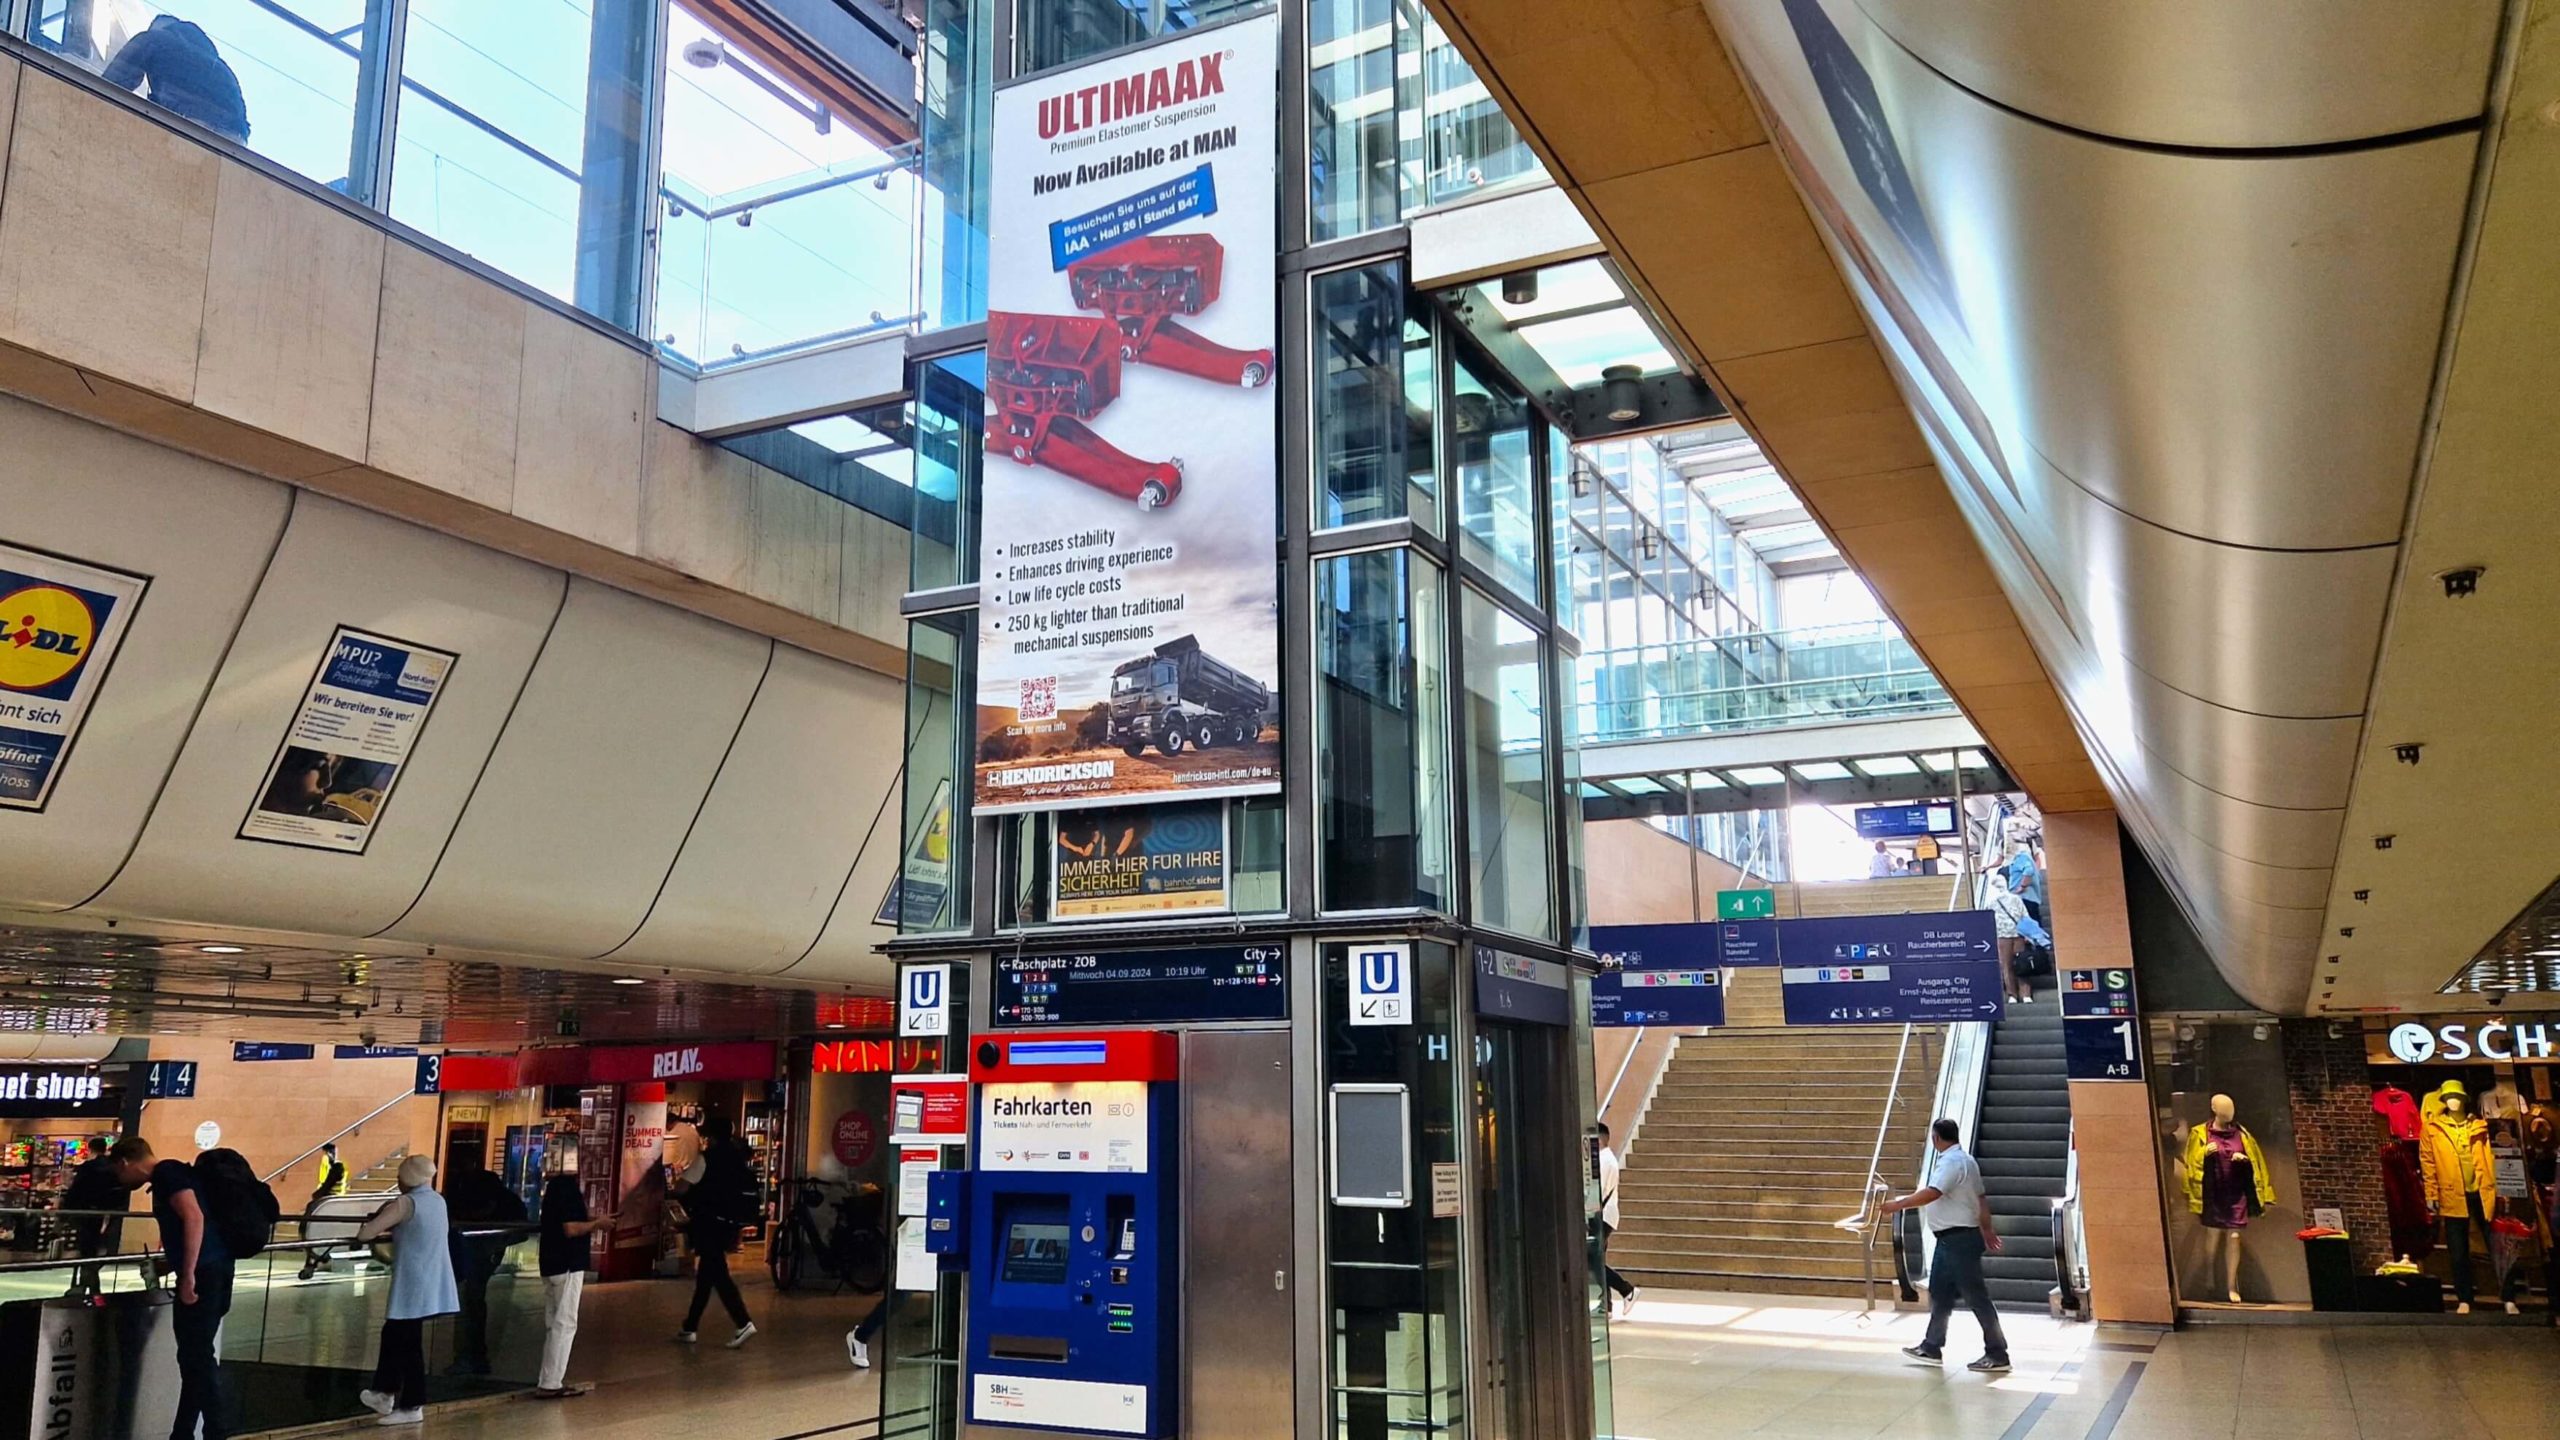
x=241, y=1207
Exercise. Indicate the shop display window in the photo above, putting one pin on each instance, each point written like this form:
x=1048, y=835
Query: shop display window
x=2229, y=1175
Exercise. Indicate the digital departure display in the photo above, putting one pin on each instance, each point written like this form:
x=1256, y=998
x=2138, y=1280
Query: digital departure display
x=1142, y=987
x=1035, y=1253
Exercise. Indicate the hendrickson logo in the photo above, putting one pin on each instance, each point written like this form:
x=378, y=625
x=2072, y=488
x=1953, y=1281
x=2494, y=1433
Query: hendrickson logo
x=1132, y=95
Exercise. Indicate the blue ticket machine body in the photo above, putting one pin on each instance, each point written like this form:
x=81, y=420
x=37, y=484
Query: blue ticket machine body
x=1065, y=1223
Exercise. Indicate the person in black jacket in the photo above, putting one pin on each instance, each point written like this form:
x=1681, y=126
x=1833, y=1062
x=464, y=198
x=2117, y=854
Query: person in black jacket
x=106, y=1182
x=476, y=1196
x=719, y=1193
x=187, y=75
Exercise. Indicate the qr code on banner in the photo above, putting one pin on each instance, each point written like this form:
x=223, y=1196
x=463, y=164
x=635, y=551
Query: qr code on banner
x=1039, y=698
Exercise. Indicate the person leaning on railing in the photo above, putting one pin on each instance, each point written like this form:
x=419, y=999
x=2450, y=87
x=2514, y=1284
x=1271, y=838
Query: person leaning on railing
x=104, y=1183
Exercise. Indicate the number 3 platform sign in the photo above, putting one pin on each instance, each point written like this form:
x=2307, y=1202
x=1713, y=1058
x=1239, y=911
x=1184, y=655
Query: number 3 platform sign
x=2101, y=1025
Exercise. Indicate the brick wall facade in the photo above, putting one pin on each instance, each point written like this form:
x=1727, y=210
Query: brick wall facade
x=2334, y=1137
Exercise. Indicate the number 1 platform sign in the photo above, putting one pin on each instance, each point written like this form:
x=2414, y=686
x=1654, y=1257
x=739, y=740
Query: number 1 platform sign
x=2101, y=1025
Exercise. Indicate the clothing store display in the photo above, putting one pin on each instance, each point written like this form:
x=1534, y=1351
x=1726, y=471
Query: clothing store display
x=2459, y=1227
x=2453, y=1154
x=2227, y=1177
x=2404, y=1199
x=2400, y=1108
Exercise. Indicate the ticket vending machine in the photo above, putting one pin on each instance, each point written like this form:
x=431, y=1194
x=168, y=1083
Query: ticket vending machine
x=1066, y=1226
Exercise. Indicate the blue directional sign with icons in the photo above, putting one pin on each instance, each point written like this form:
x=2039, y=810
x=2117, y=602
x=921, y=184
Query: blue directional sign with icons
x=1902, y=822
x=2101, y=1025
x=1658, y=997
x=1894, y=992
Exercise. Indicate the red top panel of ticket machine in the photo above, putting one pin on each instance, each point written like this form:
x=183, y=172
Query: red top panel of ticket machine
x=1095, y=1055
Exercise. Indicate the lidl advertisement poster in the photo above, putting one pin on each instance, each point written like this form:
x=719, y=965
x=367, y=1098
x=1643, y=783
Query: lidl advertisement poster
x=334, y=773
x=1128, y=619
x=1149, y=860
x=60, y=623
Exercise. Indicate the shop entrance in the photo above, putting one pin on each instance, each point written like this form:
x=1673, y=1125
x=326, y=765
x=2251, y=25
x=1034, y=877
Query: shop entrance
x=1529, y=1192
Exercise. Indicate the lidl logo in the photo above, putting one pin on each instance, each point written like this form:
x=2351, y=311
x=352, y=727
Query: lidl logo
x=48, y=634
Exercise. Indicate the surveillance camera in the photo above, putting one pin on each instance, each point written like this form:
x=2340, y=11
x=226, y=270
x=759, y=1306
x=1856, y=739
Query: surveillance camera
x=2461, y=580
x=2364, y=895
x=2346, y=932
x=2407, y=754
x=704, y=54
x=2383, y=842
x=2497, y=998
x=367, y=1038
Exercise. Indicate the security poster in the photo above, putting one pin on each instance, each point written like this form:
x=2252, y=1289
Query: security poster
x=60, y=623
x=1128, y=646
x=1146, y=861
x=334, y=773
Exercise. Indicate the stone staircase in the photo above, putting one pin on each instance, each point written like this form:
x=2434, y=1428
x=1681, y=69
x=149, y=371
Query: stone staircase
x=1757, y=1140
x=2024, y=1146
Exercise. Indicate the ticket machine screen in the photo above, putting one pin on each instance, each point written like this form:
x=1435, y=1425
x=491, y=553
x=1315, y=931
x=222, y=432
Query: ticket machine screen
x=1035, y=1253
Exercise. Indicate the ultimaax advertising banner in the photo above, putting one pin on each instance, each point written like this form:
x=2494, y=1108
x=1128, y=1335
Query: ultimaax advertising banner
x=1128, y=621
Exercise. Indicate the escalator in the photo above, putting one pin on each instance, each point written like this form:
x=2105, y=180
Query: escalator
x=2023, y=1142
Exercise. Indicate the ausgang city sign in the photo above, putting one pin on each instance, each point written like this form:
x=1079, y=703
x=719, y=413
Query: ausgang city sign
x=2416, y=1042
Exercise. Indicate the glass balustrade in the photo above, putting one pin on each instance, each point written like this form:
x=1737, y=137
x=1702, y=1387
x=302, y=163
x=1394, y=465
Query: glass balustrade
x=299, y=1342
x=1760, y=680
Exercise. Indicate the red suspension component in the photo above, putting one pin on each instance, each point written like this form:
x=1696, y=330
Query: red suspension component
x=1047, y=375
x=1143, y=283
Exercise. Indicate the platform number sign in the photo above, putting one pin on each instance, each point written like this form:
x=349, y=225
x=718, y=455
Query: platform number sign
x=170, y=1080
x=2101, y=1025
x=924, y=1001
x=1382, y=985
x=430, y=1079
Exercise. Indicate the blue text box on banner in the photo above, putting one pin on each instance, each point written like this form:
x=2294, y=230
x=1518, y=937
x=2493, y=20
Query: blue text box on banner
x=1658, y=997
x=1891, y=994
x=1194, y=192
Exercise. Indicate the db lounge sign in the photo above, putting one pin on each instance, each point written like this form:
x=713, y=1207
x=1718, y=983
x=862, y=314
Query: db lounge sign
x=2418, y=1042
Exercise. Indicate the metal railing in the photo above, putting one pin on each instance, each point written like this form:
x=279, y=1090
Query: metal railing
x=1866, y=1222
x=2070, y=1243
x=376, y=1113
x=1756, y=680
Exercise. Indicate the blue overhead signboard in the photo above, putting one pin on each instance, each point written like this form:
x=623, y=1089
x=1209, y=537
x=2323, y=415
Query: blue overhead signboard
x=1658, y=997
x=1892, y=992
x=1929, y=935
x=1747, y=942
x=245, y=1050
x=2101, y=1025
x=1905, y=822
x=1656, y=947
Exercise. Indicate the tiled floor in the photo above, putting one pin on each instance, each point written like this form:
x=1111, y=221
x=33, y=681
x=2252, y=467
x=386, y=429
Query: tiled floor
x=1689, y=1366
x=1709, y=1365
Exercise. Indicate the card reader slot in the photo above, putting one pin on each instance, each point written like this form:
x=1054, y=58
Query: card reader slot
x=1045, y=1348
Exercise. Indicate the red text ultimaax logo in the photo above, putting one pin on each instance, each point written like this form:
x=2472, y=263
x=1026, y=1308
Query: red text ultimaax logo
x=1133, y=95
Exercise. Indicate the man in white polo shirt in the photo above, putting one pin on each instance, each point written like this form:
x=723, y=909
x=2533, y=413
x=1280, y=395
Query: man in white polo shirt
x=1957, y=1212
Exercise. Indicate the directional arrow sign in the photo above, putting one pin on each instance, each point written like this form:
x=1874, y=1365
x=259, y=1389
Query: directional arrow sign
x=1891, y=993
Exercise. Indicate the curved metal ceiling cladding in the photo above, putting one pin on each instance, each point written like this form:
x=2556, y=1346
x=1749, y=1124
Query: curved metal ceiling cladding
x=2177, y=369
x=2267, y=73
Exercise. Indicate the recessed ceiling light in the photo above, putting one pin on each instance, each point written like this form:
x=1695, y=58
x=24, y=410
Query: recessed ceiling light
x=629, y=980
x=835, y=1025
x=223, y=949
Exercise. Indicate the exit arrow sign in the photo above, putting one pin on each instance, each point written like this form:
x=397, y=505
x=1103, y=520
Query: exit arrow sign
x=1746, y=904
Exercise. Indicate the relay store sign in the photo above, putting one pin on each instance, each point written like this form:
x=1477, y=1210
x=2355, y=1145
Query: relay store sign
x=1096, y=1125
x=642, y=1064
x=2419, y=1042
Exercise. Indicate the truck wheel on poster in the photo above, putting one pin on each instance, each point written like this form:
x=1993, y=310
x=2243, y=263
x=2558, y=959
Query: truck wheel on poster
x=1171, y=743
x=1207, y=735
x=1134, y=749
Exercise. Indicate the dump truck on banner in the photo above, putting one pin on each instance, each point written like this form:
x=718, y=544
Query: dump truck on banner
x=1182, y=696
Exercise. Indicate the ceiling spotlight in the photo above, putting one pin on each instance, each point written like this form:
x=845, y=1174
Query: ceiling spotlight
x=1618, y=391
x=2364, y=895
x=2346, y=932
x=629, y=980
x=2461, y=581
x=223, y=949
x=2407, y=752
x=1520, y=289
x=704, y=54
x=835, y=1025
x=2259, y=1030
x=2383, y=842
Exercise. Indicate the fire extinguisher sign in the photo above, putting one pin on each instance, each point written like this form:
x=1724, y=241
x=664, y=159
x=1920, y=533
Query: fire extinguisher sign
x=1128, y=647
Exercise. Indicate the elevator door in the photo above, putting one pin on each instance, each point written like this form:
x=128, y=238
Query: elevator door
x=1238, y=1301
x=1534, y=1348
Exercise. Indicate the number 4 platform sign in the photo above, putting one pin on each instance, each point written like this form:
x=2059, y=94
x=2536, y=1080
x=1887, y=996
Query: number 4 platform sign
x=2101, y=1025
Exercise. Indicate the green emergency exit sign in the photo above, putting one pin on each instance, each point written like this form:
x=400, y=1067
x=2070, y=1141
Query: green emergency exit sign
x=1746, y=904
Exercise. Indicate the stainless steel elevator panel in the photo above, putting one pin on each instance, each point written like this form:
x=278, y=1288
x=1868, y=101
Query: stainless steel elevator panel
x=1239, y=1299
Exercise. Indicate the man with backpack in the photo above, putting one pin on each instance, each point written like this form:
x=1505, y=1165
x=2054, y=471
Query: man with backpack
x=212, y=1214
x=720, y=1194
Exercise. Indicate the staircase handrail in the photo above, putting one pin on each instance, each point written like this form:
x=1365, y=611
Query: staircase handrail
x=1876, y=1188
x=368, y=1118
x=1626, y=1062
x=2070, y=1238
